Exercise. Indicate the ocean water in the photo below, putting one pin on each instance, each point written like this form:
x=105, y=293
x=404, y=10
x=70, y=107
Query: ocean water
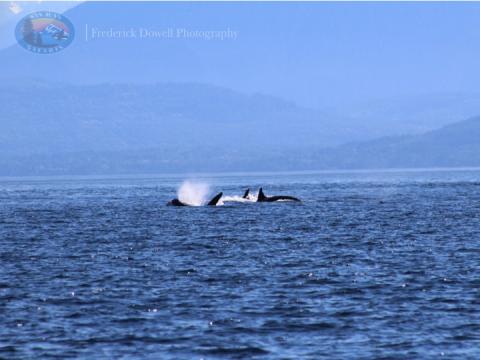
x=370, y=265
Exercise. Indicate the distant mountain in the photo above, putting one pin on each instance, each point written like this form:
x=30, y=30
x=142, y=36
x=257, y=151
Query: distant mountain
x=409, y=115
x=54, y=128
x=58, y=128
x=40, y=117
x=455, y=145
x=452, y=146
x=289, y=50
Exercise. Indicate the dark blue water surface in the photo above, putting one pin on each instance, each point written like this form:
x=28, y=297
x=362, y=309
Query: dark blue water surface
x=370, y=265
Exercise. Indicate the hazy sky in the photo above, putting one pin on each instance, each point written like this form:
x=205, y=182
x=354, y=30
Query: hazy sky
x=318, y=54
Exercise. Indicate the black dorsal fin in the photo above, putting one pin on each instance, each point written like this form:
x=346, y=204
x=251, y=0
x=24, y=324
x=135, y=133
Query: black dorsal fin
x=245, y=195
x=214, y=201
x=261, y=195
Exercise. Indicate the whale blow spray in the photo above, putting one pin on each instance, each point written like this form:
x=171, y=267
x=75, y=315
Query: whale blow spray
x=193, y=193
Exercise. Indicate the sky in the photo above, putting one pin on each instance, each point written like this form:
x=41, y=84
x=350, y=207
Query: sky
x=316, y=54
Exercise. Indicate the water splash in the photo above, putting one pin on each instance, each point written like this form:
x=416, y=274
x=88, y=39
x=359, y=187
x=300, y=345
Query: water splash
x=193, y=193
x=237, y=198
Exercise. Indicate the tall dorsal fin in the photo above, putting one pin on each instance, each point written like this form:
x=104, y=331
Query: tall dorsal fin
x=245, y=195
x=261, y=195
x=214, y=201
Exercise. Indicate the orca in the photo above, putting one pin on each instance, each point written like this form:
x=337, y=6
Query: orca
x=245, y=195
x=263, y=198
x=213, y=202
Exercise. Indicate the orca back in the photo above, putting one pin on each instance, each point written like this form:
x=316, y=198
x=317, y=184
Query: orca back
x=176, y=202
x=283, y=197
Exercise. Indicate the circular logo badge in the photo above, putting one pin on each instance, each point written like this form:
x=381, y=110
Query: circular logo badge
x=44, y=32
